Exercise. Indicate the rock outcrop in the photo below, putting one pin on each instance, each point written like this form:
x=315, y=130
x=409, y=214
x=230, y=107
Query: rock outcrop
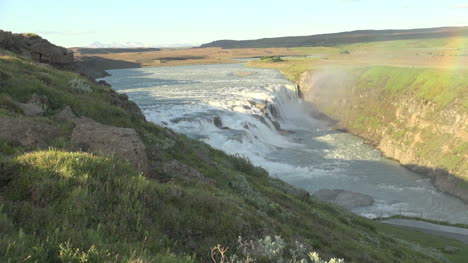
x=28, y=133
x=36, y=106
x=218, y=122
x=343, y=198
x=176, y=169
x=36, y=48
x=65, y=115
x=123, y=143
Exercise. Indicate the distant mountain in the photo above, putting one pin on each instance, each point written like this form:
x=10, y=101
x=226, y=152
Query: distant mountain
x=341, y=38
x=130, y=44
x=98, y=44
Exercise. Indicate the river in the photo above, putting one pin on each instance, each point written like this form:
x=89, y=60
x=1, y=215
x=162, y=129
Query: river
x=225, y=107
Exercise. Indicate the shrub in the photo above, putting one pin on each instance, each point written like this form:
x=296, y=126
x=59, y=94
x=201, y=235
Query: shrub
x=268, y=249
x=68, y=254
x=80, y=85
x=272, y=59
x=32, y=36
x=243, y=164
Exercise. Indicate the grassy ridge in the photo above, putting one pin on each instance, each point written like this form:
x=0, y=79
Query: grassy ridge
x=59, y=205
x=438, y=53
x=335, y=39
x=446, y=88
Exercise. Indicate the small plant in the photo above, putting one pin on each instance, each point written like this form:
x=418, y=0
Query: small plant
x=242, y=163
x=268, y=249
x=32, y=36
x=80, y=85
x=68, y=254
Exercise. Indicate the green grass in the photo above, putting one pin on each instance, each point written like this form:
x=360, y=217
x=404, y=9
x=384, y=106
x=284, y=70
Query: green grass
x=271, y=59
x=457, y=44
x=57, y=205
x=424, y=220
x=32, y=35
x=317, y=50
x=415, y=237
x=56, y=86
x=442, y=86
x=290, y=67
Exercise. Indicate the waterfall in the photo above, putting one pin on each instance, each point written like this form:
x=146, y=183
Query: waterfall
x=262, y=117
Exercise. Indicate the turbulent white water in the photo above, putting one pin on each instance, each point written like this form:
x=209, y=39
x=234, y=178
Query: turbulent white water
x=312, y=156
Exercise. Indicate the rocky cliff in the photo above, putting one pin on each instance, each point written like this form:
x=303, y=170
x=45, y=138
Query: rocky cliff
x=416, y=116
x=34, y=47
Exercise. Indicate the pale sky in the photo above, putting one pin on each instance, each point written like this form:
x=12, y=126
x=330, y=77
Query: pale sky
x=79, y=23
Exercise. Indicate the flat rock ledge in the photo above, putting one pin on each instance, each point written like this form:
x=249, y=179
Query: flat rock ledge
x=28, y=133
x=344, y=198
x=123, y=143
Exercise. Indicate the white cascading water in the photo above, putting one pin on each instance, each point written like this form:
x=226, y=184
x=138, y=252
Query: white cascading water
x=238, y=115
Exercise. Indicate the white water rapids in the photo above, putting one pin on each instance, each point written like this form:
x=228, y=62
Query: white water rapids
x=188, y=99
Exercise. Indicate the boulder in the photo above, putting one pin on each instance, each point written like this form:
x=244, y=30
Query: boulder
x=273, y=110
x=123, y=143
x=450, y=249
x=122, y=101
x=45, y=52
x=176, y=169
x=37, y=105
x=30, y=109
x=344, y=198
x=104, y=83
x=28, y=133
x=35, y=47
x=218, y=122
x=65, y=115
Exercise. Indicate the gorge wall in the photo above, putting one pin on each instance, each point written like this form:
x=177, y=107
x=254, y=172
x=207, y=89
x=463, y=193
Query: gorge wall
x=418, y=117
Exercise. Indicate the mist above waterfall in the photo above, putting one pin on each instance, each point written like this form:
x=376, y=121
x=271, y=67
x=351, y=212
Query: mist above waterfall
x=329, y=85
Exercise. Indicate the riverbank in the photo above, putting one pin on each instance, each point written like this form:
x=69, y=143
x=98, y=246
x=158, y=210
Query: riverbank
x=400, y=112
x=94, y=64
x=451, y=232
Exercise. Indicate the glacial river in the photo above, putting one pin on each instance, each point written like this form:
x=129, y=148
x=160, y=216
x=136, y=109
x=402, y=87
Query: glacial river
x=311, y=156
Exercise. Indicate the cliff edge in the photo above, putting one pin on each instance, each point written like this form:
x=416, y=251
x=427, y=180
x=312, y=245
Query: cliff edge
x=35, y=47
x=418, y=116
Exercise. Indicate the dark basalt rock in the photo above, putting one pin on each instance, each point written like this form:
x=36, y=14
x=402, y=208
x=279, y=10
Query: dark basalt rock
x=218, y=122
x=36, y=48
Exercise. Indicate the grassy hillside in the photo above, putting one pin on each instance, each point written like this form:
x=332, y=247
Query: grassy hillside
x=341, y=38
x=59, y=204
x=420, y=113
